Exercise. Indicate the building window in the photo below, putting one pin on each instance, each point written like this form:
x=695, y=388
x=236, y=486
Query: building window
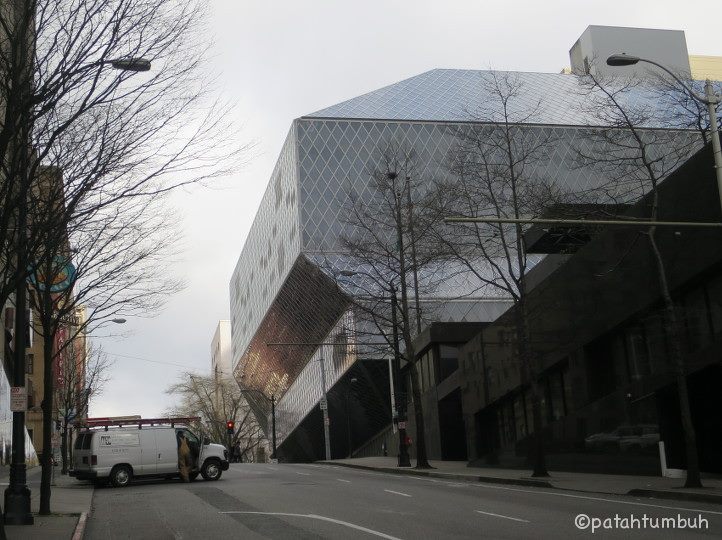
x=29, y=363
x=519, y=417
x=448, y=361
x=656, y=342
x=638, y=354
x=554, y=396
x=714, y=292
x=605, y=365
x=696, y=319
x=340, y=351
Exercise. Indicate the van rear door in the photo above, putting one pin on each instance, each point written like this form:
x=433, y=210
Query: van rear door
x=82, y=451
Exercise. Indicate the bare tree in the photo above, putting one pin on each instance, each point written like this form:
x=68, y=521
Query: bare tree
x=385, y=242
x=216, y=401
x=635, y=159
x=116, y=140
x=113, y=133
x=494, y=165
x=81, y=374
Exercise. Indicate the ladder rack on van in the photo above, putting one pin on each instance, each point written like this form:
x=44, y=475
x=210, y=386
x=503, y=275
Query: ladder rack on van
x=140, y=422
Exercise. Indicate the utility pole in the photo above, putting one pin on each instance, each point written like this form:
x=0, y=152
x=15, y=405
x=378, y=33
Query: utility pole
x=324, y=408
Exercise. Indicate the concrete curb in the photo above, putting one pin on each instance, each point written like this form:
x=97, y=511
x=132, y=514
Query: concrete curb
x=676, y=495
x=448, y=476
x=80, y=527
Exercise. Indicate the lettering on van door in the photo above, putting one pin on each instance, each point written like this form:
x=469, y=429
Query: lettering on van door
x=119, y=439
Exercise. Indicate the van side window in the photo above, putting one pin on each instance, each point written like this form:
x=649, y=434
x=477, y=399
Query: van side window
x=79, y=441
x=191, y=438
x=87, y=440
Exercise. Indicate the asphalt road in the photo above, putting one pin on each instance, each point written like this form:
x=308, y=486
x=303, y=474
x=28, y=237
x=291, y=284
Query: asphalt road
x=284, y=501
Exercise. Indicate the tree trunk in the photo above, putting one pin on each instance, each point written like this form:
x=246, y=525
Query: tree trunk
x=47, y=407
x=672, y=330
x=422, y=460
x=64, y=446
x=529, y=378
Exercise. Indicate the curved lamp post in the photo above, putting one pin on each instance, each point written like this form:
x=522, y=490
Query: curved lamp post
x=710, y=99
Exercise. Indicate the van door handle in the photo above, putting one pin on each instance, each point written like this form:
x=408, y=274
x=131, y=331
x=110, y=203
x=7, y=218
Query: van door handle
x=158, y=455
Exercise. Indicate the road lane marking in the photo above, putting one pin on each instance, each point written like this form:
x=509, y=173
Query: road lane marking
x=342, y=480
x=304, y=473
x=631, y=503
x=272, y=468
x=321, y=518
x=500, y=516
x=397, y=493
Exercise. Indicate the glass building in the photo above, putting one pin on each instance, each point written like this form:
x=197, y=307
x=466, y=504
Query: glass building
x=288, y=316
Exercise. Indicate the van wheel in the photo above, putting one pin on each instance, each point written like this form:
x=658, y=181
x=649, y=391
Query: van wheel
x=120, y=476
x=211, y=470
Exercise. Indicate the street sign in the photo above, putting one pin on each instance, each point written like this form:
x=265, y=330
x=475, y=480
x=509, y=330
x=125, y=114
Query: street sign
x=402, y=425
x=324, y=404
x=18, y=398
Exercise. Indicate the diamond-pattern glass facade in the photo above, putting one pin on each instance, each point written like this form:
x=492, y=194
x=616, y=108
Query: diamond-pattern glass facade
x=282, y=289
x=453, y=95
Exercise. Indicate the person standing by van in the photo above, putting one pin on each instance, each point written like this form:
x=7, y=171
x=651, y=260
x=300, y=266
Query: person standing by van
x=185, y=459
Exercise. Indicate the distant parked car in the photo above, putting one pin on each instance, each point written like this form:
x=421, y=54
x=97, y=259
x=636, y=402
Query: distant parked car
x=645, y=441
x=635, y=438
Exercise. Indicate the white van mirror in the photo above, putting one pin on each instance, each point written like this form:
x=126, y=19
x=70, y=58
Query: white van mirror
x=206, y=441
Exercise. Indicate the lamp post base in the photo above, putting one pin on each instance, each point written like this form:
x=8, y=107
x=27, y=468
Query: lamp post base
x=17, y=498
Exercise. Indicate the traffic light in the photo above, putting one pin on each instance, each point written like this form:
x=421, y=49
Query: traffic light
x=229, y=426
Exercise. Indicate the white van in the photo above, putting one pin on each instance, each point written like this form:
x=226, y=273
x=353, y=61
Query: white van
x=119, y=454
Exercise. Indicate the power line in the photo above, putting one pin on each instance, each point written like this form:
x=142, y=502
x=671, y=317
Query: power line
x=149, y=360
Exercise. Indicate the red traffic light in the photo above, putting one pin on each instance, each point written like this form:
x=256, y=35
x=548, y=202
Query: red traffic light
x=230, y=425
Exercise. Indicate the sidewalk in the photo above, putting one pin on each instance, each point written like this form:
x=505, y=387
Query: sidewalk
x=639, y=486
x=69, y=499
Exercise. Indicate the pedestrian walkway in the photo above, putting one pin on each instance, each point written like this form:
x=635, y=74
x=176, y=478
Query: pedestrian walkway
x=69, y=500
x=641, y=486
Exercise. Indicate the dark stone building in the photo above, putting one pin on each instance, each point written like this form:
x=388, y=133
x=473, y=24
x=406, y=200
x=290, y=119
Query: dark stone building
x=600, y=350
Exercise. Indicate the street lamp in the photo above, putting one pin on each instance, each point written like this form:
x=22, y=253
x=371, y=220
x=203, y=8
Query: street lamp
x=17, y=494
x=710, y=99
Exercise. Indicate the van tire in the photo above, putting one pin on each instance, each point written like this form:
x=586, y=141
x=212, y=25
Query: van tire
x=121, y=475
x=211, y=469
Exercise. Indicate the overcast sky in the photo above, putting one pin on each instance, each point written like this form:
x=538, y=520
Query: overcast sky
x=278, y=60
